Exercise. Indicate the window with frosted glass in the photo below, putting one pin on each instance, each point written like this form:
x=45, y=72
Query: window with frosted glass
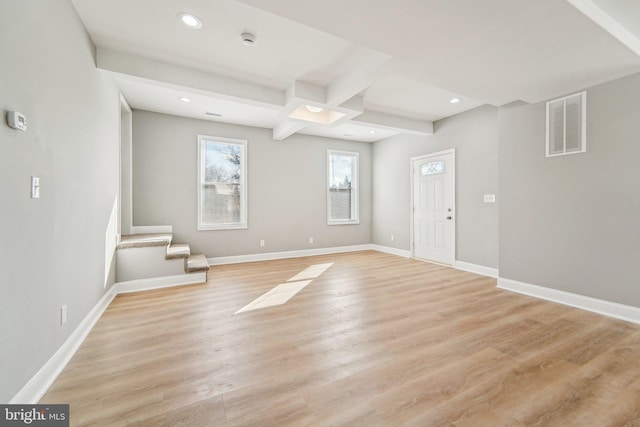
x=432, y=168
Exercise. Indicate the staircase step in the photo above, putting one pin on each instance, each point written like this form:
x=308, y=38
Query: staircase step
x=178, y=250
x=144, y=240
x=196, y=263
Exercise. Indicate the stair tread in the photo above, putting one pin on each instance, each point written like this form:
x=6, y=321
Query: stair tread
x=145, y=240
x=178, y=250
x=196, y=263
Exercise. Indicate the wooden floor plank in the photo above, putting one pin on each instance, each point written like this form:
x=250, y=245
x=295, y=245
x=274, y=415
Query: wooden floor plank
x=376, y=340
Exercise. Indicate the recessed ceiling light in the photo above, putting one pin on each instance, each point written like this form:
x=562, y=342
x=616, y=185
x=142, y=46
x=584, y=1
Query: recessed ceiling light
x=455, y=100
x=314, y=108
x=248, y=39
x=184, y=99
x=348, y=134
x=190, y=20
x=372, y=132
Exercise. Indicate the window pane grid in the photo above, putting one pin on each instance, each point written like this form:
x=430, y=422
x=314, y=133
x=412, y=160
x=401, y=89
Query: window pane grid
x=221, y=203
x=566, y=125
x=222, y=189
x=342, y=198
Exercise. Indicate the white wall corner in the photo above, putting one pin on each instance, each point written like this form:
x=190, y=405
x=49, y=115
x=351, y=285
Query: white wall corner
x=38, y=385
x=477, y=269
x=607, y=308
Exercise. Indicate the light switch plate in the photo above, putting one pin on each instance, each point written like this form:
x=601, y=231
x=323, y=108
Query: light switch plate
x=35, y=187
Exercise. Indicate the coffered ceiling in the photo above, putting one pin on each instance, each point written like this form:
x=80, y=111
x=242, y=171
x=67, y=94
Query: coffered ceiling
x=376, y=67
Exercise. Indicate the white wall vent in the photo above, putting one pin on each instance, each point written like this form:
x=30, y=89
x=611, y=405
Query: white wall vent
x=567, y=125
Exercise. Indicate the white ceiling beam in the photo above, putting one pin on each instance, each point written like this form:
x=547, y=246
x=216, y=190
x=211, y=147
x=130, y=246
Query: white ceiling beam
x=285, y=129
x=301, y=91
x=355, y=104
x=394, y=123
x=173, y=75
x=161, y=74
x=364, y=66
x=608, y=23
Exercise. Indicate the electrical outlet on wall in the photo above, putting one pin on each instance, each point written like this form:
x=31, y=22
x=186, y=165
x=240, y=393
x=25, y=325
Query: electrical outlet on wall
x=393, y=238
x=261, y=243
x=63, y=314
x=311, y=240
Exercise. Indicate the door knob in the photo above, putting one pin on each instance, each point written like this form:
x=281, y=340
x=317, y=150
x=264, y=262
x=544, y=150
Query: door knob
x=449, y=217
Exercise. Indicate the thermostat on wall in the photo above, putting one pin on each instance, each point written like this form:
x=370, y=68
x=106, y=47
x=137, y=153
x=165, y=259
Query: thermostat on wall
x=17, y=120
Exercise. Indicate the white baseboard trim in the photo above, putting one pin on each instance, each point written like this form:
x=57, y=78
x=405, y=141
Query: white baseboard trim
x=148, y=229
x=38, y=385
x=391, y=251
x=238, y=259
x=607, y=308
x=159, y=282
x=478, y=269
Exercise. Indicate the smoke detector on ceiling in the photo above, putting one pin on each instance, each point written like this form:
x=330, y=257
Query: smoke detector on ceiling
x=248, y=39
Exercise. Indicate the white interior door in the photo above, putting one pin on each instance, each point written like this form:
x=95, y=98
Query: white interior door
x=433, y=207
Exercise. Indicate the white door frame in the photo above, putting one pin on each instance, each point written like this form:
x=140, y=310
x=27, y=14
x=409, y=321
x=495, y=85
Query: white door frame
x=412, y=161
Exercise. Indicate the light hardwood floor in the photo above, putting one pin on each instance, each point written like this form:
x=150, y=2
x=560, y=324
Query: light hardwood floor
x=376, y=340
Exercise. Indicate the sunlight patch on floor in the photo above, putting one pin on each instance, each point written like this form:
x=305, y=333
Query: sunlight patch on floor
x=311, y=272
x=282, y=293
x=276, y=296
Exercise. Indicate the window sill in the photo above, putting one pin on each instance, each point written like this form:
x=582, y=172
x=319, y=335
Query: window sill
x=222, y=227
x=350, y=222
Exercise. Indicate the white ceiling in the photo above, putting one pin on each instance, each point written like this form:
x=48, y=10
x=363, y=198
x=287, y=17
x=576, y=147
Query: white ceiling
x=392, y=67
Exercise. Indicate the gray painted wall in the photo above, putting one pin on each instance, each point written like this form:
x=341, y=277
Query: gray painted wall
x=51, y=249
x=474, y=136
x=287, y=187
x=126, y=118
x=569, y=223
x=573, y=222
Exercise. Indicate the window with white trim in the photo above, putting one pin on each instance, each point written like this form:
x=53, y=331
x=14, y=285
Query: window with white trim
x=567, y=125
x=222, y=183
x=342, y=187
